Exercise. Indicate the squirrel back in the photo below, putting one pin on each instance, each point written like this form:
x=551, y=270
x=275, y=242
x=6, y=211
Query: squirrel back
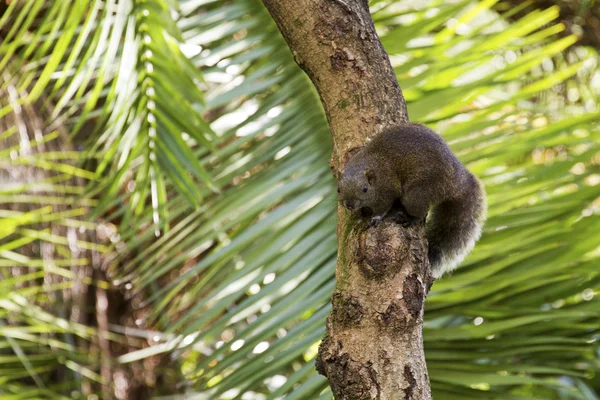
x=412, y=166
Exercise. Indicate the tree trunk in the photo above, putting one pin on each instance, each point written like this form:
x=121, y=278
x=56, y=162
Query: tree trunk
x=373, y=347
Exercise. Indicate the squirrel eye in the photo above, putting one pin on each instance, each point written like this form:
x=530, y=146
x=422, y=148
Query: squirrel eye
x=339, y=189
x=365, y=188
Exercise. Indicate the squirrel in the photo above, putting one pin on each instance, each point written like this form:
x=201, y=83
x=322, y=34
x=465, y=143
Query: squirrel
x=411, y=167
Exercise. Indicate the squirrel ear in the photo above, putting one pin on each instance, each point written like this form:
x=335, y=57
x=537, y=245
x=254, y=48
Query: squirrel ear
x=370, y=174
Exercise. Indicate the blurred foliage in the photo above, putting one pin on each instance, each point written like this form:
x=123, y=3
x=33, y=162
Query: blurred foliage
x=173, y=155
x=581, y=17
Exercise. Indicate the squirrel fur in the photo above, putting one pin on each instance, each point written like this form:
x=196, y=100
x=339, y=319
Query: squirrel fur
x=411, y=166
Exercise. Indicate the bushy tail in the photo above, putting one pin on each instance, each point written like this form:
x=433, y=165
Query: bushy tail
x=454, y=226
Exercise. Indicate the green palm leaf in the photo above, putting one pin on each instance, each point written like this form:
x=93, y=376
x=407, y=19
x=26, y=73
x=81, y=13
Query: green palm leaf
x=257, y=276
x=117, y=71
x=47, y=252
x=237, y=289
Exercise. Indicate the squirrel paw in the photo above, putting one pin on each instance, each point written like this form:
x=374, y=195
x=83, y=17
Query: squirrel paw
x=404, y=219
x=374, y=221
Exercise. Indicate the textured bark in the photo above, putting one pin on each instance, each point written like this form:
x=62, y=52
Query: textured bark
x=373, y=346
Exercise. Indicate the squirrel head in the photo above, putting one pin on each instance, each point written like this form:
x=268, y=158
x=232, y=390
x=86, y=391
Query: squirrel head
x=357, y=189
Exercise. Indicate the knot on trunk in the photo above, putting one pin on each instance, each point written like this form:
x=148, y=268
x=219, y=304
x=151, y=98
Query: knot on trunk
x=383, y=251
x=393, y=318
x=347, y=310
x=350, y=380
x=413, y=294
x=410, y=380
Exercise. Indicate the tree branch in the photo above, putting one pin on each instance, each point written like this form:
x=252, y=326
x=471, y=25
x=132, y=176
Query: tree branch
x=373, y=346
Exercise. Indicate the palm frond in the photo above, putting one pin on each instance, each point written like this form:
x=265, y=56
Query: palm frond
x=118, y=77
x=47, y=254
x=237, y=289
x=253, y=282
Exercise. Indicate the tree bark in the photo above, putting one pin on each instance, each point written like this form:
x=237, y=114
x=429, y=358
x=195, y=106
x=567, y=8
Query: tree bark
x=373, y=347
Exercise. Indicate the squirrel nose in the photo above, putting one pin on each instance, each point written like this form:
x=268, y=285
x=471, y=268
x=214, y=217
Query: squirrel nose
x=349, y=204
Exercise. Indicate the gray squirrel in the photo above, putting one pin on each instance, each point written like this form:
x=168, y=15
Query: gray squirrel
x=412, y=168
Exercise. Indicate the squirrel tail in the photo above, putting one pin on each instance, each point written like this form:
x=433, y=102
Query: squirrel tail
x=454, y=226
